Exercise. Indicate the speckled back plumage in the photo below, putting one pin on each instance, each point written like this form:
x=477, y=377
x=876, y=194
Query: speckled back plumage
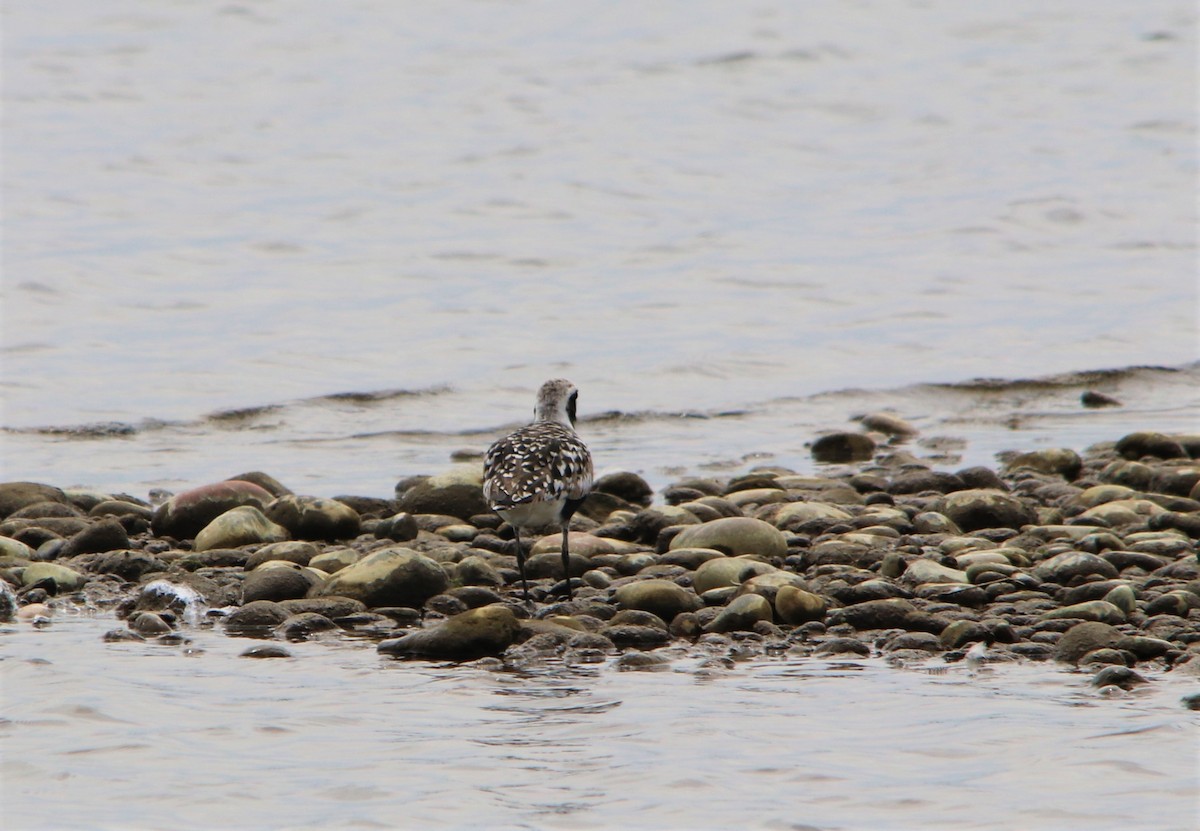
x=541, y=464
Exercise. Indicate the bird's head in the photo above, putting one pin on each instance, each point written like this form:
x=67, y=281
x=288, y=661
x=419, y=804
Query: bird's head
x=556, y=402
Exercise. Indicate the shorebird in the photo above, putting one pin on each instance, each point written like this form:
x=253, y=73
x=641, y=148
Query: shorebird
x=539, y=475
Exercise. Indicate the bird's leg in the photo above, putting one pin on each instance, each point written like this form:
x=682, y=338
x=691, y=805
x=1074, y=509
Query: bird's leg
x=566, y=558
x=521, y=563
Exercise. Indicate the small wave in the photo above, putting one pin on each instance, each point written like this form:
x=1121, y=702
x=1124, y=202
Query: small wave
x=1066, y=380
x=242, y=414
x=376, y=396
x=100, y=430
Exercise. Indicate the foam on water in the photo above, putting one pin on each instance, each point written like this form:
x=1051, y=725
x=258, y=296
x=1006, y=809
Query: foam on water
x=190, y=601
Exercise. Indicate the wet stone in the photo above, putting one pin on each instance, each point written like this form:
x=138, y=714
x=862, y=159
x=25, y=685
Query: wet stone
x=638, y=637
x=842, y=646
x=61, y=578
x=314, y=518
x=473, y=634
x=389, y=577
x=1138, y=445
x=105, y=535
x=659, y=597
x=975, y=509
x=1106, y=656
x=919, y=641
x=278, y=580
x=257, y=618
x=244, y=525
x=1118, y=676
x=628, y=486
x=330, y=607
x=796, y=606
x=266, y=650
x=741, y=614
x=148, y=624
x=727, y=572
x=641, y=661
x=119, y=635
x=298, y=552
x=128, y=565
x=457, y=492
x=400, y=527
x=842, y=447
x=1083, y=638
x=334, y=560
x=16, y=495
x=735, y=536
x=185, y=515
x=303, y=626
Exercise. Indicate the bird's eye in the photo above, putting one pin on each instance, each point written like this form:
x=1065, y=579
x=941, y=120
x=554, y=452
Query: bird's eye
x=571, y=406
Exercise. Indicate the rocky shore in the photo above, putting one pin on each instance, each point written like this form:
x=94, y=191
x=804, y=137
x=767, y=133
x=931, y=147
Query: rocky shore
x=1087, y=559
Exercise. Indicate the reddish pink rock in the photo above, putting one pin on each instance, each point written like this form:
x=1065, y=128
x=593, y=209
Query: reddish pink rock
x=185, y=515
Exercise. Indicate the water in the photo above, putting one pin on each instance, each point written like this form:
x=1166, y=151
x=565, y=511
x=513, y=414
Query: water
x=690, y=209
x=143, y=736
x=340, y=242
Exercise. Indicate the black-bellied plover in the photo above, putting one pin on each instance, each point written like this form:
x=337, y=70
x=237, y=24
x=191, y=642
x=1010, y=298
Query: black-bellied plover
x=539, y=475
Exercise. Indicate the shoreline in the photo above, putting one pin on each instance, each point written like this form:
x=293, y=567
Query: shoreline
x=1090, y=559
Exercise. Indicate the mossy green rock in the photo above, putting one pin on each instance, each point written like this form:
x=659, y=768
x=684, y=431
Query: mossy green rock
x=923, y=570
x=393, y=576
x=795, y=605
x=244, y=525
x=735, y=536
x=335, y=560
x=1094, y=610
x=727, y=571
x=13, y=551
x=741, y=614
x=65, y=579
x=659, y=597
x=476, y=633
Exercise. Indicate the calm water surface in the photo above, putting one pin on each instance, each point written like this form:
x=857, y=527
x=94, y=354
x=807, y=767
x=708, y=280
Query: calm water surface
x=143, y=736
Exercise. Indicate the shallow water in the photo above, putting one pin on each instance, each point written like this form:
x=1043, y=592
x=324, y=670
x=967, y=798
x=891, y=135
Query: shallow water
x=136, y=736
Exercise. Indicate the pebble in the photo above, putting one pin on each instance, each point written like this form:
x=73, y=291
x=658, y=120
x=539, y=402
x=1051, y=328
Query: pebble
x=314, y=518
x=266, y=650
x=972, y=510
x=741, y=614
x=1118, y=676
x=727, y=572
x=393, y=576
x=185, y=515
x=735, y=536
x=476, y=633
x=279, y=580
x=659, y=597
x=244, y=525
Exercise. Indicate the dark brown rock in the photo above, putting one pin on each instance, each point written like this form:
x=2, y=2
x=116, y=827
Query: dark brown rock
x=105, y=535
x=16, y=495
x=841, y=447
